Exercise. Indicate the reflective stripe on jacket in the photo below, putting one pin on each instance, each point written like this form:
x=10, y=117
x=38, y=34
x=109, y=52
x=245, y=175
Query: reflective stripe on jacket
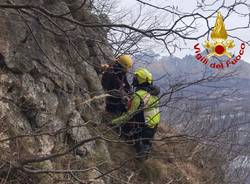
x=144, y=108
x=150, y=108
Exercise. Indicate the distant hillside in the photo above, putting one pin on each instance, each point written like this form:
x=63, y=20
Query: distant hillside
x=215, y=108
x=233, y=81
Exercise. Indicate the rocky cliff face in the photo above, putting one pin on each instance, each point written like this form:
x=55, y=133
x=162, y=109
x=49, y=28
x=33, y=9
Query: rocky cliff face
x=51, y=104
x=48, y=87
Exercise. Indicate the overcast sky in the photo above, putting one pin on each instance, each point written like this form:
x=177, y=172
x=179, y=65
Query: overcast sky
x=189, y=5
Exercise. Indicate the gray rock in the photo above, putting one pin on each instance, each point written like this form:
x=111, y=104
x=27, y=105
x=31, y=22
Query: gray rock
x=48, y=70
x=78, y=131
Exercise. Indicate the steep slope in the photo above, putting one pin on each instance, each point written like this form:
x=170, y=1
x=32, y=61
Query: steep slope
x=174, y=159
x=51, y=104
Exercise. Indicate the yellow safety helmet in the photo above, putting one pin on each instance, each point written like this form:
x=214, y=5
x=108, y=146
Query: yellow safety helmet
x=143, y=75
x=125, y=61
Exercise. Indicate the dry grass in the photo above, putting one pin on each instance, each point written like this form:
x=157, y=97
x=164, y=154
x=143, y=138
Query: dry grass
x=171, y=162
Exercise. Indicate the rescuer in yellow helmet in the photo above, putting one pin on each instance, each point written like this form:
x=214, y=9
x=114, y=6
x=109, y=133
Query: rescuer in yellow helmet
x=125, y=61
x=114, y=82
x=144, y=112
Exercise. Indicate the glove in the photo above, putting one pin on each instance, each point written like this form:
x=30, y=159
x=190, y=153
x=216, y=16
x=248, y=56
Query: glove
x=120, y=120
x=116, y=121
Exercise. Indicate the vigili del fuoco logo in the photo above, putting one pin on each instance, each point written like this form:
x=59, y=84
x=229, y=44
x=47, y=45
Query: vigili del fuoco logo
x=218, y=47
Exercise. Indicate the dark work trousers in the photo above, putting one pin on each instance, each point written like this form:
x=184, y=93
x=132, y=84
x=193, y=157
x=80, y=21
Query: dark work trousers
x=128, y=131
x=144, y=138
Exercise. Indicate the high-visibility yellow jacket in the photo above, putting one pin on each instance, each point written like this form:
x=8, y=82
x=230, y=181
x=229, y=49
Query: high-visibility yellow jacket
x=143, y=105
